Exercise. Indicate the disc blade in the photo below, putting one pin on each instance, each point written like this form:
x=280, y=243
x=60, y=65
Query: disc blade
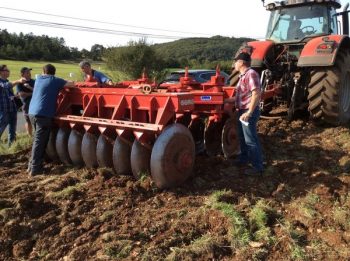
x=88, y=150
x=121, y=157
x=62, y=146
x=74, y=148
x=51, y=146
x=104, y=150
x=173, y=156
x=140, y=160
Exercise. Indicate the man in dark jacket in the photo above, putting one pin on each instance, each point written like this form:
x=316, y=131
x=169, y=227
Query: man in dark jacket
x=25, y=91
x=8, y=109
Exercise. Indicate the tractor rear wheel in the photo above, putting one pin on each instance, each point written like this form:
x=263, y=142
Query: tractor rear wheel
x=172, y=157
x=329, y=91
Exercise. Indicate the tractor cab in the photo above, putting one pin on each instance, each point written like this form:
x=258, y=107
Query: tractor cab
x=305, y=60
x=299, y=20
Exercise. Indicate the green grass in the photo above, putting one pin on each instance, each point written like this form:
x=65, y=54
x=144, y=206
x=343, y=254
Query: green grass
x=296, y=238
x=107, y=215
x=63, y=69
x=66, y=70
x=341, y=216
x=22, y=142
x=258, y=220
x=199, y=247
x=238, y=231
x=67, y=192
x=118, y=250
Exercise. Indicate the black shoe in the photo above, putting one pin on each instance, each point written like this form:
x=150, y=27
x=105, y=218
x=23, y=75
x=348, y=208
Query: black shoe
x=33, y=173
x=251, y=172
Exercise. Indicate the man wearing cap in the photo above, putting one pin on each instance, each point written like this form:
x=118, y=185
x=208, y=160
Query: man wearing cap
x=248, y=92
x=8, y=109
x=25, y=91
x=91, y=75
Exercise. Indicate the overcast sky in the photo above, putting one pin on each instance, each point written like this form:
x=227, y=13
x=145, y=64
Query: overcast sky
x=171, y=19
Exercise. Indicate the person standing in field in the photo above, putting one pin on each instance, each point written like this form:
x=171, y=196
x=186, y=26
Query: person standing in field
x=42, y=110
x=8, y=108
x=248, y=93
x=91, y=75
x=25, y=91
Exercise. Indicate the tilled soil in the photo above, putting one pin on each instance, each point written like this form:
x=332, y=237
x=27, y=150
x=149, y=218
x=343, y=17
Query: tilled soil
x=81, y=214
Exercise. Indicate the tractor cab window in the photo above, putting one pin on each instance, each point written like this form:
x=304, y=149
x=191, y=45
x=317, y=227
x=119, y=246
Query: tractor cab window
x=296, y=23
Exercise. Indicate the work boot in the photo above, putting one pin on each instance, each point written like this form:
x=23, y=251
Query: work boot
x=33, y=173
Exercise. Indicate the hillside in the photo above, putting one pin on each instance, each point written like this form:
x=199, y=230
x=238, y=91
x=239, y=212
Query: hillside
x=217, y=48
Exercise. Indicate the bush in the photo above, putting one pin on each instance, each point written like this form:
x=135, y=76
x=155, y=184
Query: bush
x=134, y=58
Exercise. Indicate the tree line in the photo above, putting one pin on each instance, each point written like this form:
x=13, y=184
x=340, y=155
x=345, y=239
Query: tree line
x=31, y=47
x=130, y=59
x=195, y=53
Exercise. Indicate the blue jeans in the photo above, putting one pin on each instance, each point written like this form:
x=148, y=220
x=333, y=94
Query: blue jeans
x=249, y=141
x=10, y=119
x=42, y=127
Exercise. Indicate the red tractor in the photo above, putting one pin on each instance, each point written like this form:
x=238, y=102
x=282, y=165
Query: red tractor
x=305, y=60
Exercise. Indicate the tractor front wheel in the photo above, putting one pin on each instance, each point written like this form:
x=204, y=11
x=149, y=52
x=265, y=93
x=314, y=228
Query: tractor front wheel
x=329, y=91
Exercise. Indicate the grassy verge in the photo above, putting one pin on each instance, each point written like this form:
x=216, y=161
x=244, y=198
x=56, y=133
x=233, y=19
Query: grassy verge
x=238, y=232
x=66, y=70
x=23, y=142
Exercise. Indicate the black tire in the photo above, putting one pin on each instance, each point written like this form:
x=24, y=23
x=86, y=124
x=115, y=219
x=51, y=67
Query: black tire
x=233, y=78
x=329, y=91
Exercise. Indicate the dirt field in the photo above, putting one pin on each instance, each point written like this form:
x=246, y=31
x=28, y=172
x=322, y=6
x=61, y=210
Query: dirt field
x=300, y=209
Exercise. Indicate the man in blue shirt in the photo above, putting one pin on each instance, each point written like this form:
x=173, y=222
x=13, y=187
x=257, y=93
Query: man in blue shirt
x=42, y=110
x=25, y=91
x=8, y=109
x=93, y=75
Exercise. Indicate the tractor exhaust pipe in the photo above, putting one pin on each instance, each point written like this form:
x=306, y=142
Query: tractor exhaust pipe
x=345, y=19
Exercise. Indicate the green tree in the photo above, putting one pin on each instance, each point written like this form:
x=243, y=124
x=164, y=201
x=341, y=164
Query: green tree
x=96, y=52
x=133, y=58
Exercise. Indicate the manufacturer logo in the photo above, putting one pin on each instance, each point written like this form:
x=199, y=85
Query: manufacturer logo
x=205, y=98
